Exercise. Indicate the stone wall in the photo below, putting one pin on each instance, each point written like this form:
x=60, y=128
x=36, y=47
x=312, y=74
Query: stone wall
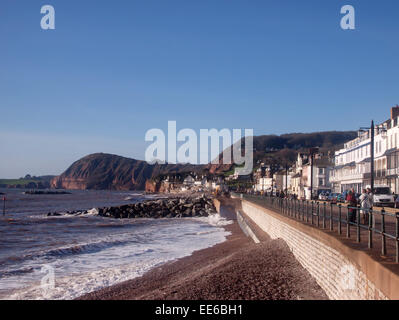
x=342, y=272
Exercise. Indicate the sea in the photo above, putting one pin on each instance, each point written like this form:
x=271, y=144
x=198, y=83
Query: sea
x=64, y=257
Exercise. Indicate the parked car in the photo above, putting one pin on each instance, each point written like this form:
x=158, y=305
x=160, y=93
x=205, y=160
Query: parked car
x=333, y=197
x=383, y=197
x=341, y=197
x=324, y=196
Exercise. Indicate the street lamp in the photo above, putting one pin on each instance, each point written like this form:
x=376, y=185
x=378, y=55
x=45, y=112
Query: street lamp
x=286, y=179
x=372, y=134
x=372, y=154
x=312, y=152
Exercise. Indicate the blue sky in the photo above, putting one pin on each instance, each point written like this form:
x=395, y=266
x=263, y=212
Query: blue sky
x=114, y=69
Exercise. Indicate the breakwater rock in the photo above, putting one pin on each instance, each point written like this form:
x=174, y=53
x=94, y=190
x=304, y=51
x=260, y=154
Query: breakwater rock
x=180, y=207
x=163, y=208
x=46, y=192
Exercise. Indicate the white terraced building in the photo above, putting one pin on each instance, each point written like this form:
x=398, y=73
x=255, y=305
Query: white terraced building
x=353, y=162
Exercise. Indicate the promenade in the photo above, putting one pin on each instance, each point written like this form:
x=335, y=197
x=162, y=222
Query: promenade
x=378, y=236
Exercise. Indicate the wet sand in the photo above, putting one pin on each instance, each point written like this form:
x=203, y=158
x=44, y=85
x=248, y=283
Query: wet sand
x=237, y=269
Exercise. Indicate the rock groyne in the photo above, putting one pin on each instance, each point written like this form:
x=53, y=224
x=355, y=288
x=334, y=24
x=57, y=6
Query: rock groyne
x=179, y=207
x=162, y=208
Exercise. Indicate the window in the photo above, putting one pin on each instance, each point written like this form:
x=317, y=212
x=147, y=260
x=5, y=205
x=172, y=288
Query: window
x=321, y=170
x=321, y=182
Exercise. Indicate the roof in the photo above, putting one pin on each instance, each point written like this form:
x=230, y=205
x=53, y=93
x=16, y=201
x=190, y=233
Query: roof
x=389, y=152
x=366, y=160
x=350, y=164
x=323, y=163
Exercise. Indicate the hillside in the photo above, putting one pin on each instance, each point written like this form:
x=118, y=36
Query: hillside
x=283, y=149
x=102, y=171
x=27, y=182
x=106, y=171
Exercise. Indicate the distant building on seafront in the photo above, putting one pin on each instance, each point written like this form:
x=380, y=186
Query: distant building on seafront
x=301, y=176
x=353, y=162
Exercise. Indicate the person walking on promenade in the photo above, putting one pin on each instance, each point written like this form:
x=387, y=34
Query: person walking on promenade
x=365, y=204
x=352, y=203
x=397, y=201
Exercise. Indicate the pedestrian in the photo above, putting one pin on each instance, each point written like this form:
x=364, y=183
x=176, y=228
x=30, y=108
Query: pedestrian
x=365, y=205
x=371, y=197
x=397, y=201
x=352, y=204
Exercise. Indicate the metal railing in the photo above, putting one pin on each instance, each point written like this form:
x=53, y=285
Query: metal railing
x=366, y=223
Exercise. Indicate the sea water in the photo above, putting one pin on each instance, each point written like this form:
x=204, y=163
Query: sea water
x=64, y=257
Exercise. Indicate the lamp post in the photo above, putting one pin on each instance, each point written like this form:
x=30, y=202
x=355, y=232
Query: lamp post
x=372, y=157
x=312, y=152
x=286, y=179
x=372, y=135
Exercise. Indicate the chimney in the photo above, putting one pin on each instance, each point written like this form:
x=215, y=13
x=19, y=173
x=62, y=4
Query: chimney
x=395, y=112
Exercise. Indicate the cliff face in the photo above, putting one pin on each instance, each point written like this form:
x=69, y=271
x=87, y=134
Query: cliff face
x=110, y=172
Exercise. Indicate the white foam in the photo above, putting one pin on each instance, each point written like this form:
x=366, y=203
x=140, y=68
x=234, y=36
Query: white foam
x=136, y=252
x=216, y=220
x=92, y=212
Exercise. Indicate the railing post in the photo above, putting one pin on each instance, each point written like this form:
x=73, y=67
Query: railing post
x=292, y=208
x=397, y=237
x=383, y=239
x=348, y=226
x=370, y=229
x=331, y=218
x=339, y=219
x=312, y=212
x=298, y=208
x=307, y=211
x=318, y=214
x=324, y=214
x=358, y=225
x=287, y=208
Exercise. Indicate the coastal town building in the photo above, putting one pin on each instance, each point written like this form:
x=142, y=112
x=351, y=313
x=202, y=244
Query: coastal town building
x=282, y=180
x=266, y=180
x=353, y=162
x=300, y=182
x=263, y=179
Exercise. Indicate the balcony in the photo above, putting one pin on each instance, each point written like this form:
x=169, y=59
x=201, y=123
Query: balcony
x=393, y=171
x=355, y=176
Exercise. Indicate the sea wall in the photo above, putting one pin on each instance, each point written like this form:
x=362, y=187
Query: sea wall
x=342, y=272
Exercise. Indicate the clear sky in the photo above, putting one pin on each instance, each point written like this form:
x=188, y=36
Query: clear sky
x=111, y=70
